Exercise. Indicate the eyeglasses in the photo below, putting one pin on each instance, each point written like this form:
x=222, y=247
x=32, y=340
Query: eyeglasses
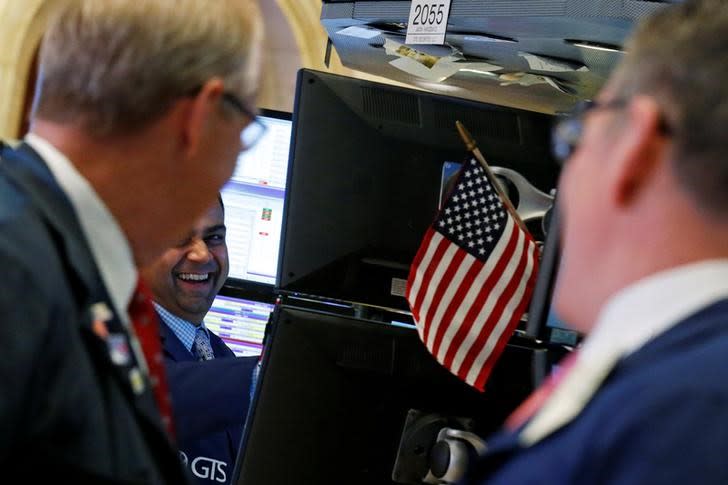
x=254, y=130
x=568, y=130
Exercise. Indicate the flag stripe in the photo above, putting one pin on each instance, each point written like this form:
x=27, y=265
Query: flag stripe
x=414, y=280
x=439, y=246
x=436, y=275
x=505, y=314
x=445, y=290
x=472, y=325
x=527, y=288
x=417, y=273
x=457, y=286
x=485, y=319
x=498, y=318
x=480, y=286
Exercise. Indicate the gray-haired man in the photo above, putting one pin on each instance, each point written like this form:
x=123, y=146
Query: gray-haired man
x=644, y=273
x=137, y=123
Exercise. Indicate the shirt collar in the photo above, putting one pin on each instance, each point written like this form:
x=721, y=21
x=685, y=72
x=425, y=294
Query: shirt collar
x=183, y=329
x=630, y=319
x=108, y=244
x=649, y=307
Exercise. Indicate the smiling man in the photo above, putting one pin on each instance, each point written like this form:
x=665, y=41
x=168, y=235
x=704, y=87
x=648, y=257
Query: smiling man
x=209, y=385
x=186, y=279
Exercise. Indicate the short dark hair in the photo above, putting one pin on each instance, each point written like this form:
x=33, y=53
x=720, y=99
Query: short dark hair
x=678, y=57
x=222, y=205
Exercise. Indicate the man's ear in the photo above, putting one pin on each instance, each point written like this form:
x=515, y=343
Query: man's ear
x=642, y=149
x=197, y=117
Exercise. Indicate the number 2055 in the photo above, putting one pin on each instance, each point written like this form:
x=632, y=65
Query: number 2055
x=429, y=14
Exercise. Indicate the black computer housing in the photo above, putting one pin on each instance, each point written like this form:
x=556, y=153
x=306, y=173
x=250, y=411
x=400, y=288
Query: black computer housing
x=365, y=175
x=336, y=391
x=341, y=378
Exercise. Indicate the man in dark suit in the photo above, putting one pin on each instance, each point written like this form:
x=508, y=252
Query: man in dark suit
x=210, y=386
x=137, y=124
x=644, y=273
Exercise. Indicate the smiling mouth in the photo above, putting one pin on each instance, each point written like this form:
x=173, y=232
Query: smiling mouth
x=194, y=277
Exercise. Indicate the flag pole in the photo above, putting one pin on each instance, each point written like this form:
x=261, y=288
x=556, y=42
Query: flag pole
x=473, y=148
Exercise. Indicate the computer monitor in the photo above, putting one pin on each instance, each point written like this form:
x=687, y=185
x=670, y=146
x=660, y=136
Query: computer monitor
x=240, y=323
x=543, y=322
x=365, y=176
x=254, y=199
x=335, y=393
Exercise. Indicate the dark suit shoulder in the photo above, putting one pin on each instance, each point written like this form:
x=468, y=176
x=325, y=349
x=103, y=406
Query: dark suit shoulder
x=14, y=201
x=660, y=417
x=33, y=258
x=64, y=405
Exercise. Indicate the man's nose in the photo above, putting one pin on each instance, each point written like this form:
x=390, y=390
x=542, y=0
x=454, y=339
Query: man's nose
x=198, y=251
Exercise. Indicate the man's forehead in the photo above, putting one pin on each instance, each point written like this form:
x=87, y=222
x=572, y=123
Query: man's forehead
x=213, y=219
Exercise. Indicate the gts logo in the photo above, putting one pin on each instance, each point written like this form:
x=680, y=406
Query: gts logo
x=206, y=468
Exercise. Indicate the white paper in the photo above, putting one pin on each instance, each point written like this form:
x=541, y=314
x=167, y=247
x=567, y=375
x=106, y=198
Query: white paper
x=421, y=64
x=393, y=46
x=557, y=85
x=542, y=63
x=424, y=63
x=521, y=79
x=528, y=79
x=360, y=32
x=438, y=73
x=478, y=67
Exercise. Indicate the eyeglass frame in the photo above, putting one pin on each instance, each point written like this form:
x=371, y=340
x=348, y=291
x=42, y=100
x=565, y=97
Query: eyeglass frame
x=258, y=127
x=567, y=131
x=237, y=104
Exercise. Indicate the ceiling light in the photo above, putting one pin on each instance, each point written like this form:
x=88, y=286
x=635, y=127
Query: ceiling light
x=478, y=71
x=597, y=46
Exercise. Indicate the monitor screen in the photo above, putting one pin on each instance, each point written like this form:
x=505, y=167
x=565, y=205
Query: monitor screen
x=365, y=179
x=240, y=323
x=254, y=203
x=345, y=400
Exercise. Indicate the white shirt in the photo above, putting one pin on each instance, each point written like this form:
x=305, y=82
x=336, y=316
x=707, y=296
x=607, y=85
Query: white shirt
x=109, y=246
x=631, y=318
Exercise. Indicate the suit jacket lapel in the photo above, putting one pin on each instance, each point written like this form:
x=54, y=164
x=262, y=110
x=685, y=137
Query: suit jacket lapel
x=29, y=171
x=172, y=347
x=219, y=348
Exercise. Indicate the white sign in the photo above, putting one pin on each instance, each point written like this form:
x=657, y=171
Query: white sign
x=399, y=287
x=427, y=21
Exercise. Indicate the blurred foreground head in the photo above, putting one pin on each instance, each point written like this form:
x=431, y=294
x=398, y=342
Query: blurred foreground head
x=148, y=98
x=645, y=188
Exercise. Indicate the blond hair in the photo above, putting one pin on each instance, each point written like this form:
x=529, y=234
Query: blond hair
x=111, y=66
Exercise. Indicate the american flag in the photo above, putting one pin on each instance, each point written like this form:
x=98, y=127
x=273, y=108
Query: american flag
x=471, y=279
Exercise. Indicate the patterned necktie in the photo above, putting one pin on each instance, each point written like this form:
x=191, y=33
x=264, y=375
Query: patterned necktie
x=146, y=327
x=202, y=347
x=533, y=403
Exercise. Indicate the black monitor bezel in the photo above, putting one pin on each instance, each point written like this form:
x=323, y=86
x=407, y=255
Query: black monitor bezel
x=249, y=289
x=501, y=388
